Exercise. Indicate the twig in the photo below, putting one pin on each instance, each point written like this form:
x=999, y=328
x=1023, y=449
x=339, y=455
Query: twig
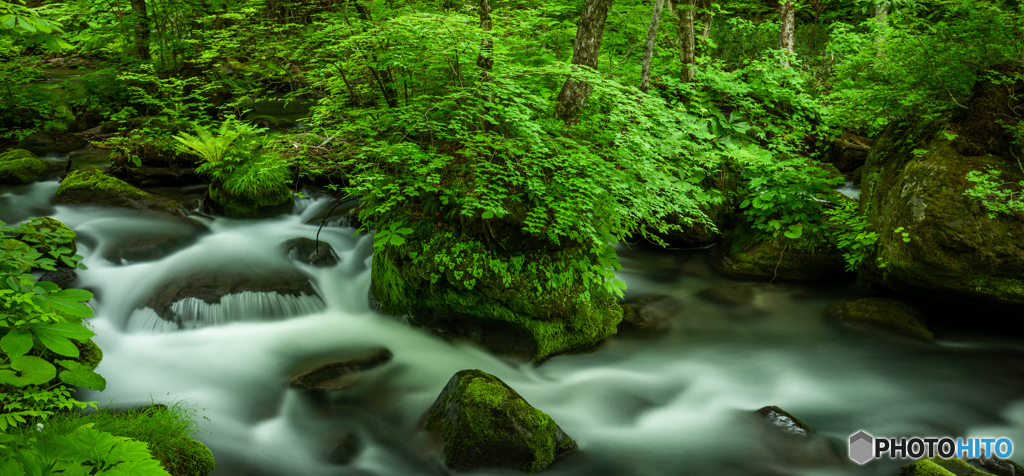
x=328, y=215
x=779, y=263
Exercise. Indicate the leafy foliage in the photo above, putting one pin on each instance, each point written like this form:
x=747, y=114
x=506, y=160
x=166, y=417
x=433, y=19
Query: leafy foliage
x=993, y=194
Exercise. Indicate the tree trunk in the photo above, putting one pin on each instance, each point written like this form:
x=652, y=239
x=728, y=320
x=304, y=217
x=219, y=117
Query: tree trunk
x=141, y=21
x=706, y=17
x=688, y=44
x=652, y=35
x=585, y=51
x=786, y=38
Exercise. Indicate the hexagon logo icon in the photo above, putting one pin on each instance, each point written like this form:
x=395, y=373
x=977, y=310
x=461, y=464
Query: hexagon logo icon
x=861, y=445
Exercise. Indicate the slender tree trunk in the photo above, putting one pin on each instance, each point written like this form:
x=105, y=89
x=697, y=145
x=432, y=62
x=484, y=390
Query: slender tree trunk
x=486, y=60
x=706, y=17
x=652, y=35
x=585, y=51
x=141, y=21
x=688, y=43
x=786, y=38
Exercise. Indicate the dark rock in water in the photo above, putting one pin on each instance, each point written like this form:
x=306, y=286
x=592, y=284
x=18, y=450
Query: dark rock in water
x=42, y=143
x=62, y=277
x=784, y=421
x=91, y=186
x=742, y=255
x=1001, y=467
x=887, y=315
x=956, y=247
x=648, y=315
x=494, y=335
x=211, y=285
x=21, y=166
x=857, y=176
x=730, y=295
x=792, y=442
x=341, y=373
x=347, y=449
x=940, y=467
x=482, y=423
x=308, y=251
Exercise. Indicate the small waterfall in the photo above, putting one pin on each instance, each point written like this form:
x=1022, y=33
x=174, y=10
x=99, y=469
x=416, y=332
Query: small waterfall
x=193, y=313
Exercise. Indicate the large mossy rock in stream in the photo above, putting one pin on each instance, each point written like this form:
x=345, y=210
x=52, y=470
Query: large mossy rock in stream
x=42, y=143
x=937, y=466
x=508, y=315
x=91, y=186
x=880, y=314
x=269, y=204
x=742, y=255
x=20, y=166
x=483, y=424
x=915, y=179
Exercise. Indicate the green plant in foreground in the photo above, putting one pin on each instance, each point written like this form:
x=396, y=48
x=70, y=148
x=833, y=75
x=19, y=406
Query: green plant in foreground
x=853, y=238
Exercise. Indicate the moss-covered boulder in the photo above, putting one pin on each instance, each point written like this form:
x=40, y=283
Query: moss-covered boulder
x=508, y=312
x=91, y=186
x=42, y=143
x=940, y=467
x=268, y=204
x=742, y=255
x=21, y=166
x=880, y=314
x=482, y=423
x=915, y=179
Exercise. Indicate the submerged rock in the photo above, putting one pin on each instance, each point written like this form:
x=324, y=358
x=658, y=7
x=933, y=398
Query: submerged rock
x=268, y=205
x=730, y=295
x=792, y=442
x=341, y=373
x=482, y=423
x=648, y=315
x=940, y=467
x=42, y=143
x=309, y=251
x=91, y=186
x=886, y=315
x=741, y=255
x=916, y=177
x=21, y=166
x=349, y=446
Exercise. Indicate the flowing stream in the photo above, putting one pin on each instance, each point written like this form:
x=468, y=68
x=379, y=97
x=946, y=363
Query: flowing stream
x=678, y=403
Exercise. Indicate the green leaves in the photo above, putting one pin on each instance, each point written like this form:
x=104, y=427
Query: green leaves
x=394, y=236
x=17, y=342
x=79, y=375
x=68, y=302
x=27, y=370
x=84, y=452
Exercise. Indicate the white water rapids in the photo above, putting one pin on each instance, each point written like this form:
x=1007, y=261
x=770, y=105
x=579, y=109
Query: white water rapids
x=668, y=405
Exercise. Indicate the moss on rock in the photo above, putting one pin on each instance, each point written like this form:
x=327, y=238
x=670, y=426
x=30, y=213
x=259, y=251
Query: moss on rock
x=742, y=255
x=483, y=423
x=510, y=314
x=887, y=315
x=269, y=205
x=91, y=186
x=954, y=247
x=21, y=166
x=940, y=467
x=41, y=143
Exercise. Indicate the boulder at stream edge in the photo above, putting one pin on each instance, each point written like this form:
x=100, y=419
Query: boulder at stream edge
x=482, y=423
x=91, y=186
x=20, y=166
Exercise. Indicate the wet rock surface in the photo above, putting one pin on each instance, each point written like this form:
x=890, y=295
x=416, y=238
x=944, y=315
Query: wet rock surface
x=742, y=256
x=648, y=315
x=211, y=285
x=881, y=314
x=91, y=186
x=309, y=251
x=341, y=372
x=792, y=442
x=482, y=423
x=730, y=295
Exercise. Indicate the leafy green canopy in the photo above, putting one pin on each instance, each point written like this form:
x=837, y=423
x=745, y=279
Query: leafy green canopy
x=479, y=155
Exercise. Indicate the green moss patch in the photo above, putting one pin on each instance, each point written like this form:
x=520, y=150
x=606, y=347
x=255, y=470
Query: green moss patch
x=91, y=186
x=886, y=315
x=505, y=311
x=21, y=166
x=484, y=423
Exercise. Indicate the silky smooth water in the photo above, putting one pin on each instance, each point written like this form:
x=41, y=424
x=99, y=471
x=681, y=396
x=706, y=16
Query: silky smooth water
x=674, y=404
